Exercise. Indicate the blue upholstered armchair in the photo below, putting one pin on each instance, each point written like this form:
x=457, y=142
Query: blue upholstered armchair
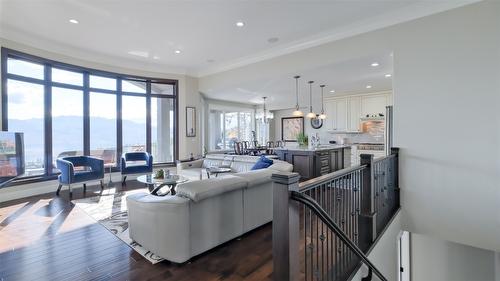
x=93, y=169
x=134, y=168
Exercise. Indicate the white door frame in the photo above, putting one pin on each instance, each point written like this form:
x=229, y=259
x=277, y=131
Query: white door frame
x=404, y=256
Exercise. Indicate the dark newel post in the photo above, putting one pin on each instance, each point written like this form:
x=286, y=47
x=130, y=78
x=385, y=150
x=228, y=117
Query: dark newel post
x=286, y=264
x=367, y=218
x=395, y=151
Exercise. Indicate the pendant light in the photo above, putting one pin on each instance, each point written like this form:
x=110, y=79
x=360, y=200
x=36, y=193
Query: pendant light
x=322, y=115
x=265, y=116
x=311, y=114
x=297, y=111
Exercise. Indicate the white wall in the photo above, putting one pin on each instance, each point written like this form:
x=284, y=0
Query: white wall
x=438, y=260
x=188, y=96
x=446, y=99
x=385, y=253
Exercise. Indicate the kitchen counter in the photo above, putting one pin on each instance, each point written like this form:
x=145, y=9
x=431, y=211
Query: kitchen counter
x=314, y=162
x=320, y=148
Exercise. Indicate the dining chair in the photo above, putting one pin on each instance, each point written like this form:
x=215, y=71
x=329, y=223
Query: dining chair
x=238, y=148
x=245, y=147
x=270, y=146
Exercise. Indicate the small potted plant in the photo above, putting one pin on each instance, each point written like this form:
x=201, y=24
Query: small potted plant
x=159, y=174
x=302, y=139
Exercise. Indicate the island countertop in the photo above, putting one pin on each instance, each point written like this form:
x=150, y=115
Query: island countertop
x=313, y=149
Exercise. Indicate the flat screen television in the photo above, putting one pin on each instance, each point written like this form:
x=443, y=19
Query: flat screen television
x=11, y=156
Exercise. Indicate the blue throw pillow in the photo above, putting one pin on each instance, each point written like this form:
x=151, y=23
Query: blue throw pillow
x=262, y=163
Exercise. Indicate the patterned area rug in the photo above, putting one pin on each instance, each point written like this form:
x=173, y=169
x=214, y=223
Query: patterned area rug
x=110, y=210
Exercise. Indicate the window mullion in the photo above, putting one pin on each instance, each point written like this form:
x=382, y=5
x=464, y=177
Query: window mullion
x=148, y=117
x=86, y=114
x=48, y=119
x=119, y=129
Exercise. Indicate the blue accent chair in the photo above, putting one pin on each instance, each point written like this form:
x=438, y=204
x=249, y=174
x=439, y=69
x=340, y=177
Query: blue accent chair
x=94, y=170
x=129, y=169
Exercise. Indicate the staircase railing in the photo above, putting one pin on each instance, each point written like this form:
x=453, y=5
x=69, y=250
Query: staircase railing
x=323, y=228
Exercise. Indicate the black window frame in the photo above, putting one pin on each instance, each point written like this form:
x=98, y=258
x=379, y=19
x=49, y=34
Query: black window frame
x=47, y=83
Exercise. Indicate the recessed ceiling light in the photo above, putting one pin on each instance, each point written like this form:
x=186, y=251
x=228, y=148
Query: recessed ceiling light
x=177, y=51
x=240, y=24
x=332, y=91
x=368, y=86
x=273, y=40
x=375, y=64
x=388, y=75
x=156, y=57
x=73, y=21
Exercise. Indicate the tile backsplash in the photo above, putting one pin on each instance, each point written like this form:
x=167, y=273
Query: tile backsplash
x=373, y=132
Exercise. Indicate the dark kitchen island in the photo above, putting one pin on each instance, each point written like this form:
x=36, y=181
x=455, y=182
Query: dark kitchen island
x=314, y=162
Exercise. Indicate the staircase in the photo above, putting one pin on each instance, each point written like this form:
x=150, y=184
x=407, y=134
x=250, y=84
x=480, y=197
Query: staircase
x=324, y=227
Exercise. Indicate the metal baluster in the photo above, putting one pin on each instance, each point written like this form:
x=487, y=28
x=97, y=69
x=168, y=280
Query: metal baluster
x=304, y=213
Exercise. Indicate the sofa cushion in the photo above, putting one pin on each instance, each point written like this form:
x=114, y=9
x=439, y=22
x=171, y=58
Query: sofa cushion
x=86, y=176
x=256, y=177
x=199, y=190
x=262, y=163
x=193, y=173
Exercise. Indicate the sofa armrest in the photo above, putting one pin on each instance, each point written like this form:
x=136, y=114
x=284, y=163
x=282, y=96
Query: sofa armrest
x=161, y=225
x=150, y=160
x=191, y=164
x=123, y=162
x=67, y=171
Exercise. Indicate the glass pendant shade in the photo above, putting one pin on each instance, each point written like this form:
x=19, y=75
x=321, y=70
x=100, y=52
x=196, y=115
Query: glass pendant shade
x=297, y=112
x=311, y=114
x=322, y=115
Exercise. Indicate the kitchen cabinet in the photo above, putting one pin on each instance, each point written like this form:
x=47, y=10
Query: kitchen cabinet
x=373, y=104
x=341, y=116
x=344, y=113
x=336, y=112
x=354, y=114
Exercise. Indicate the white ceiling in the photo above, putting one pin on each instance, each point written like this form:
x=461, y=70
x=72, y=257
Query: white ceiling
x=148, y=32
x=345, y=78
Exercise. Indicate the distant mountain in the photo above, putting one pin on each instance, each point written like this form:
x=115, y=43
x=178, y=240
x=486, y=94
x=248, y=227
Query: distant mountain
x=67, y=134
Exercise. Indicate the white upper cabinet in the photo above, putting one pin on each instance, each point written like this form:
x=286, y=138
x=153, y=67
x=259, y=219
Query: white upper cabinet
x=373, y=104
x=354, y=114
x=340, y=122
x=344, y=113
x=330, y=111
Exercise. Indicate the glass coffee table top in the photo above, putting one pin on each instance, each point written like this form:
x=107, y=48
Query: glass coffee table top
x=172, y=179
x=217, y=170
x=159, y=183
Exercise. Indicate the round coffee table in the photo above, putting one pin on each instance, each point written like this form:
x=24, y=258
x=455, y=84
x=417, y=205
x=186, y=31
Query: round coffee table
x=217, y=170
x=157, y=184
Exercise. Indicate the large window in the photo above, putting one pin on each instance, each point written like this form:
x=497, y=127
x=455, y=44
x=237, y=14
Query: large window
x=67, y=123
x=134, y=123
x=68, y=110
x=226, y=127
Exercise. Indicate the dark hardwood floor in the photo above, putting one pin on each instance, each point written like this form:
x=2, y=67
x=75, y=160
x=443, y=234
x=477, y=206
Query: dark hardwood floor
x=48, y=238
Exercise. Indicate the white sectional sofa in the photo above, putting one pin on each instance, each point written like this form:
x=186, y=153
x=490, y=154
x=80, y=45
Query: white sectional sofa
x=196, y=170
x=204, y=213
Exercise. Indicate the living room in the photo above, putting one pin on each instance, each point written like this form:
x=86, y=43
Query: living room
x=132, y=156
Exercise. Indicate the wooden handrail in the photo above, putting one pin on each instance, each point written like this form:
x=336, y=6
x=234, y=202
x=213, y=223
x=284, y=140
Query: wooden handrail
x=304, y=186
